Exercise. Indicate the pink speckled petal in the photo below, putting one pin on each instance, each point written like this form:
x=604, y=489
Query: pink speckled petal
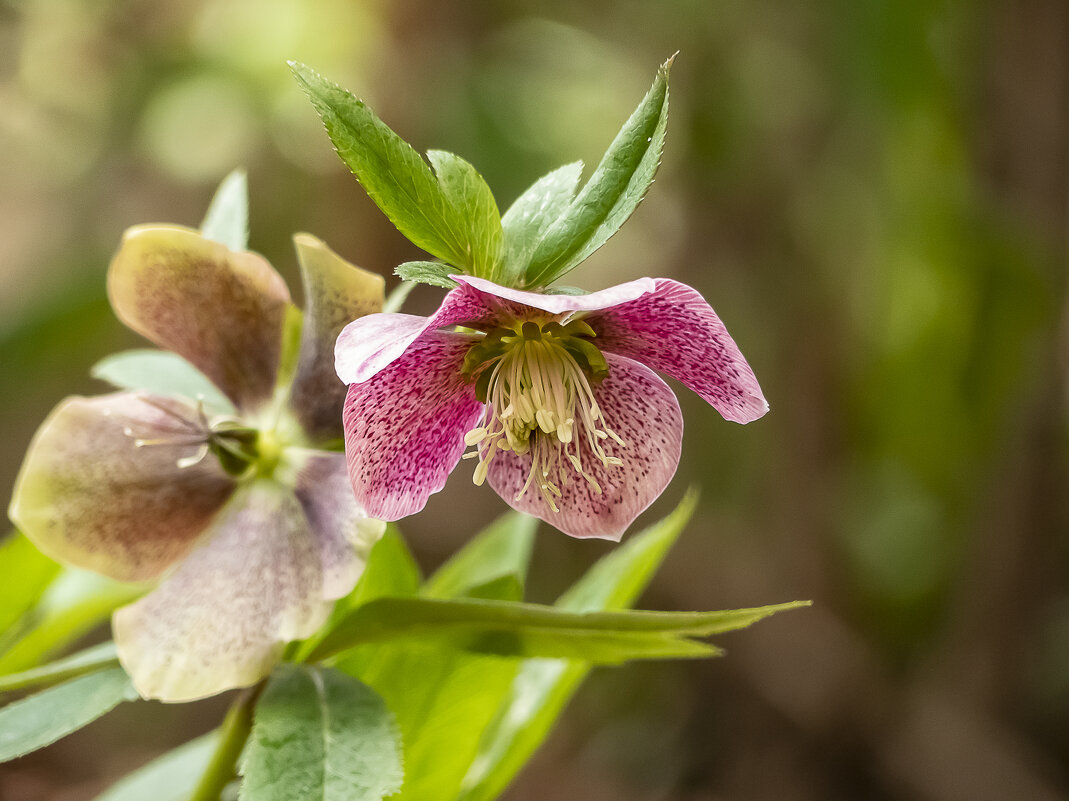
x=675, y=331
x=643, y=411
x=87, y=495
x=220, y=310
x=557, y=304
x=404, y=428
x=369, y=344
x=221, y=619
x=336, y=292
x=344, y=531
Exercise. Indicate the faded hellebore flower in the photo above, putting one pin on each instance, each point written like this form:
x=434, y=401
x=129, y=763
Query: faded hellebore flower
x=554, y=394
x=250, y=528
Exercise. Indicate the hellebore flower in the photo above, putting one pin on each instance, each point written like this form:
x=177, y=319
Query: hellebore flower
x=554, y=392
x=250, y=527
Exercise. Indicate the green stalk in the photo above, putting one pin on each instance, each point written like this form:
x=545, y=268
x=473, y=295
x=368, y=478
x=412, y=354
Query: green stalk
x=233, y=734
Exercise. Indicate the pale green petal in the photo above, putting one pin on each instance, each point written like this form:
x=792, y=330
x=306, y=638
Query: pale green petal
x=89, y=495
x=336, y=293
x=221, y=310
x=221, y=620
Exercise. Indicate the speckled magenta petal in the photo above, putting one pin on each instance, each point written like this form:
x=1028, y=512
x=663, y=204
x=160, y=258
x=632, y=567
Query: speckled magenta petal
x=675, y=331
x=220, y=310
x=87, y=494
x=220, y=620
x=336, y=292
x=344, y=531
x=494, y=294
x=643, y=411
x=404, y=428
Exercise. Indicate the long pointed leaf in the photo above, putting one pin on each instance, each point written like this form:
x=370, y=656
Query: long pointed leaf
x=613, y=192
x=170, y=777
x=41, y=719
x=543, y=687
x=502, y=549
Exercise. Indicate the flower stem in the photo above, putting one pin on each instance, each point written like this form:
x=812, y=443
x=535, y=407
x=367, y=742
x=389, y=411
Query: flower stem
x=233, y=734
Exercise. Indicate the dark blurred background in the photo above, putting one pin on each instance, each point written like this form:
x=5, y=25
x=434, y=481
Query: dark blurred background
x=872, y=194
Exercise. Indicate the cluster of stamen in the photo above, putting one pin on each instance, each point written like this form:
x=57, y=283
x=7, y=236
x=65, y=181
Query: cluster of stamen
x=535, y=380
x=234, y=444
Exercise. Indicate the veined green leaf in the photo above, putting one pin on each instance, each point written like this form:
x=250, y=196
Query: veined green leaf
x=533, y=212
x=227, y=220
x=90, y=660
x=170, y=777
x=432, y=211
x=502, y=549
x=162, y=373
x=543, y=687
x=321, y=735
x=41, y=719
x=25, y=574
x=427, y=272
x=613, y=192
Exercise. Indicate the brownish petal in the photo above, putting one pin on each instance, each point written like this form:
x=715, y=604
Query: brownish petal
x=341, y=527
x=221, y=619
x=221, y=310
x=336, y=293
x=89, y=496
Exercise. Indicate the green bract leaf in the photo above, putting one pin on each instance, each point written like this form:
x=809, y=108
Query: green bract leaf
x=320, y=734
x=472, y=199
x=502, y=549
x=451, y=216
x=613, y=192
x=227, y=220
x=161, y=373
x=25, y=573
x=528, y=219
x=171, y=777
x=543, y=687
x=90, y=660
x=41, y=719
x=427, y=272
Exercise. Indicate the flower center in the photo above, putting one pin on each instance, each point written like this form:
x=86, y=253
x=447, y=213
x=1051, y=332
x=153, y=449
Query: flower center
x=536, y=383
x=238, y=447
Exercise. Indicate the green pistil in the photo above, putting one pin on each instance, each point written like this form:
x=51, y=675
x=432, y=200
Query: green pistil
x=241, y=449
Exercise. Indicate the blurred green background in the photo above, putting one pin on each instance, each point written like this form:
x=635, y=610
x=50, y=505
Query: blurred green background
x=872, y=194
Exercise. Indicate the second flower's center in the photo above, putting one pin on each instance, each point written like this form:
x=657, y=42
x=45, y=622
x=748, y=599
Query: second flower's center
x=536, y=383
